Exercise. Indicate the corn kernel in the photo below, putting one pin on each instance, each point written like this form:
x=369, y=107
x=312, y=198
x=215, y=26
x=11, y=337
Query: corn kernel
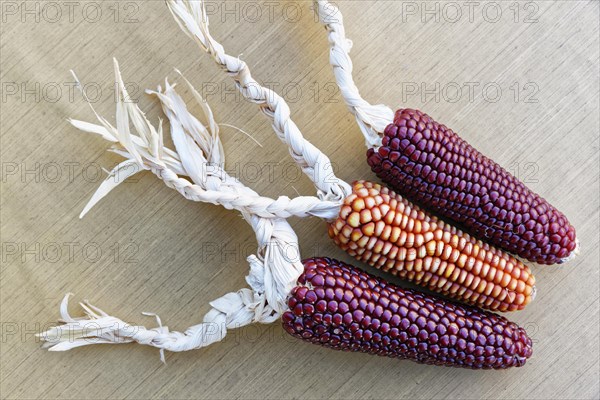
x=354, y=219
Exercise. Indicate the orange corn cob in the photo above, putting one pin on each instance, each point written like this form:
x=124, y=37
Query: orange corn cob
x=380, y=227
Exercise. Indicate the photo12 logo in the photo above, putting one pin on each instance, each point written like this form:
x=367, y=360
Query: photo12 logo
x=253, y=11
x=471, y=11
x=292, y=92
x=66, y=171
x=52, y=12
x=53, y=92
x=454, y=92
x=68, y=252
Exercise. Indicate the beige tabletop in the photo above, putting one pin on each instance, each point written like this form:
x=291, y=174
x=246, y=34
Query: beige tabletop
x=519, y=80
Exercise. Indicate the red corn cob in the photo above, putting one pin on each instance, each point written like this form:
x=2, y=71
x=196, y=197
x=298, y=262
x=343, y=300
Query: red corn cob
x=378, y=226
x=343, y=308
x=433, y=166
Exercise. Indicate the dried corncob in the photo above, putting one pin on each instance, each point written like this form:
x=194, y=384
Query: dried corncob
x=433, y=166
x=340, y=307
x=380, y=227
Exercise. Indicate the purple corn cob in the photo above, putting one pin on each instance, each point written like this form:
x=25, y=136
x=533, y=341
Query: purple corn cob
x=343, y=308
x=431, y=165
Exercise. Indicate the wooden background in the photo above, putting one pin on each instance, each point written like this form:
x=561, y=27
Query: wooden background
x=533, y=108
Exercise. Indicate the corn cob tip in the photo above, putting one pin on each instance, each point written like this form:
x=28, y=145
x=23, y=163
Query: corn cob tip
x=573, y=254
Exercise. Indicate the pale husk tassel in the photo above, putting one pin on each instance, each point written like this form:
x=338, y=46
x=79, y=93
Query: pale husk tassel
x=274, y=270
x=145, y=152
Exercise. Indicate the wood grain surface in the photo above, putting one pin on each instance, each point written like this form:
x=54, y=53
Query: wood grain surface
x=519, y=80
